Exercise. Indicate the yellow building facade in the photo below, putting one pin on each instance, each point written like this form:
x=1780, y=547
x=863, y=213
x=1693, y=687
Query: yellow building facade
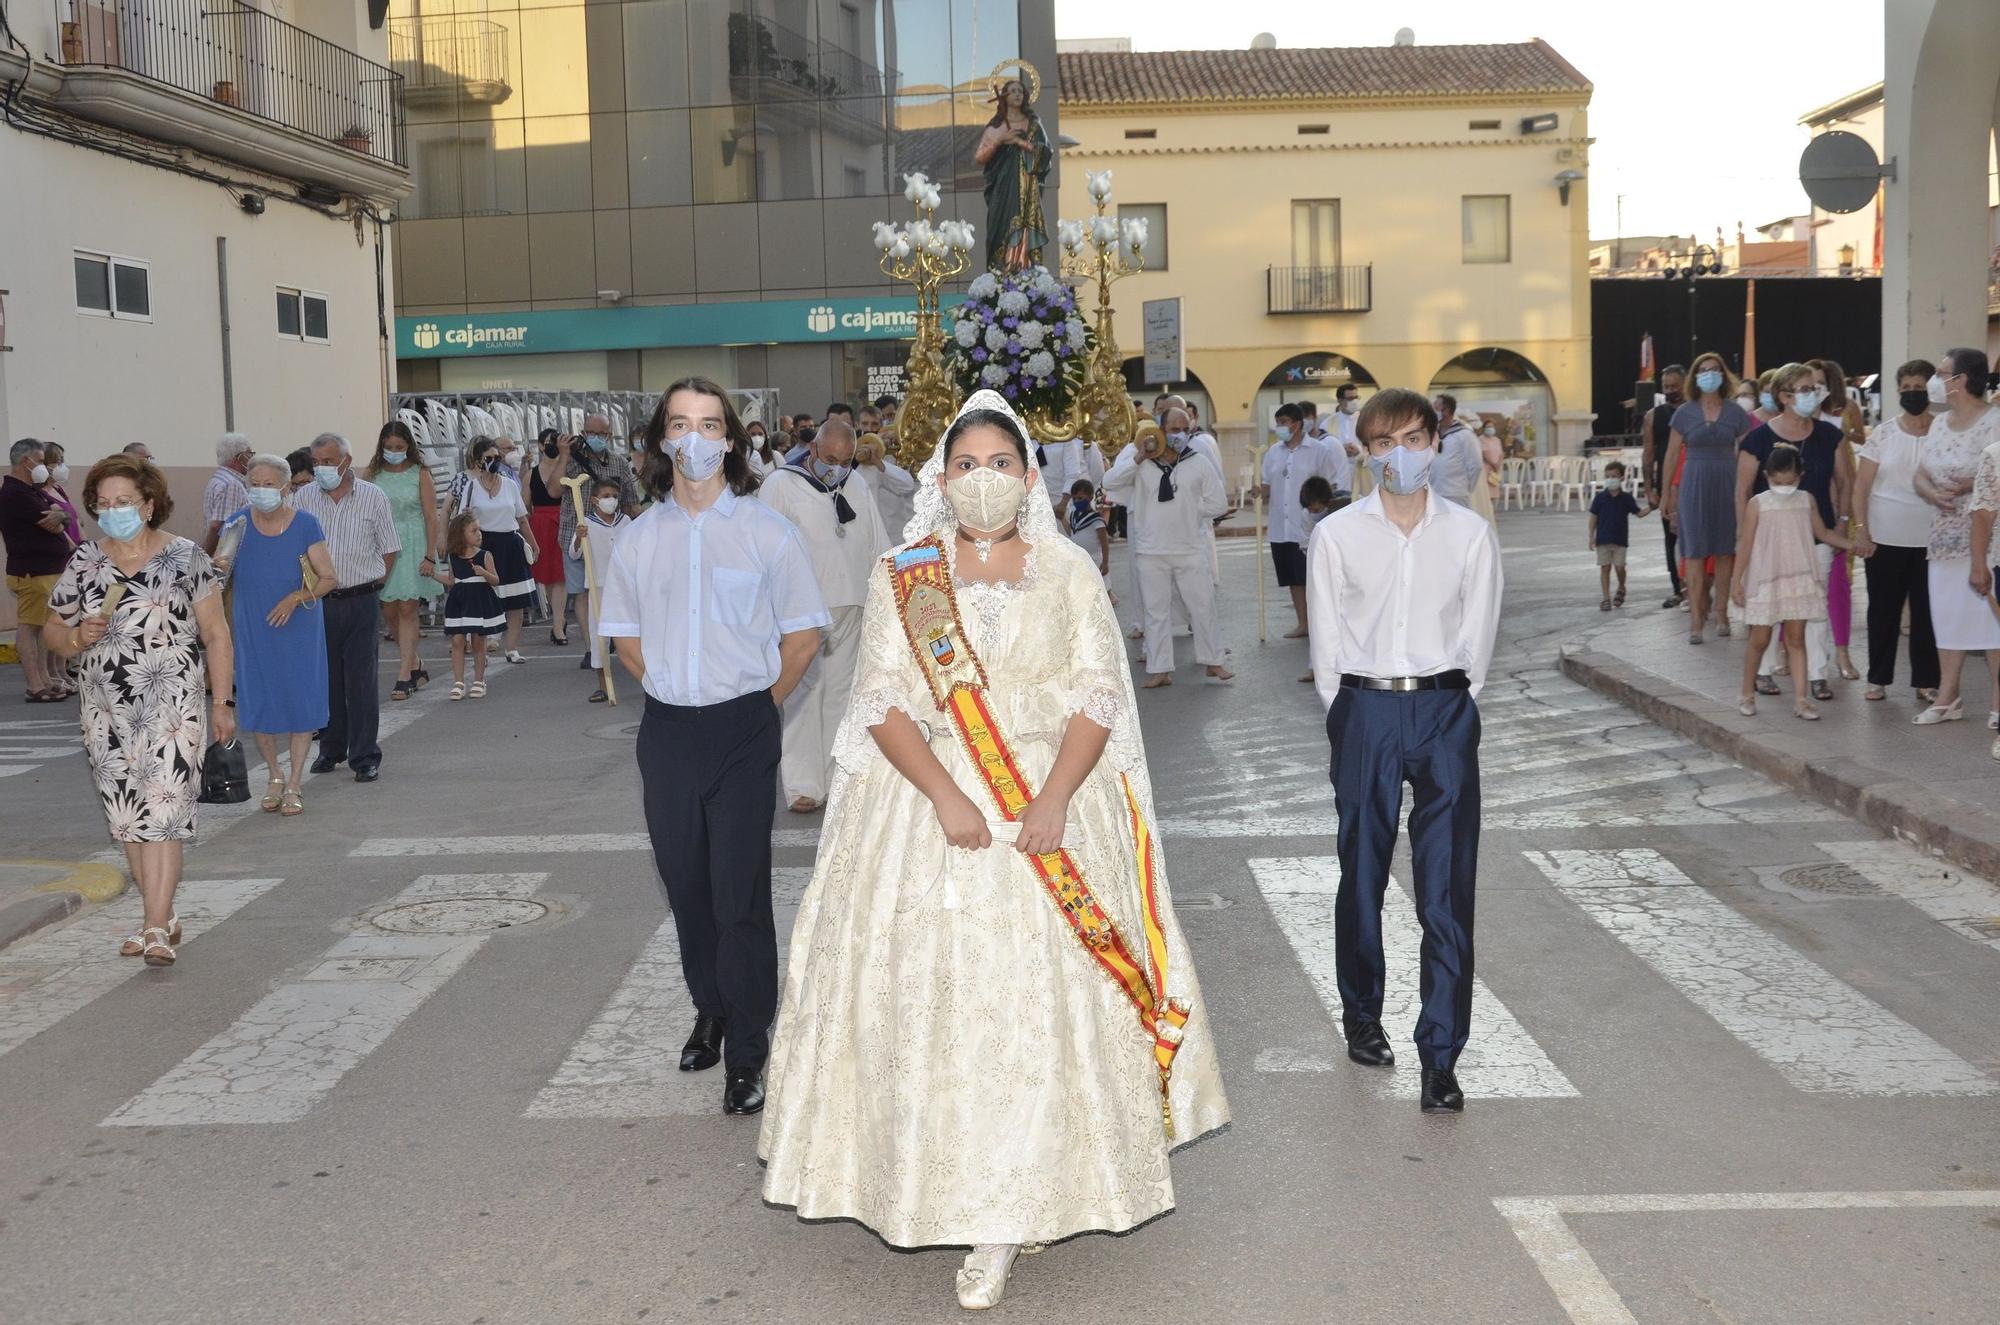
x=1391, y=216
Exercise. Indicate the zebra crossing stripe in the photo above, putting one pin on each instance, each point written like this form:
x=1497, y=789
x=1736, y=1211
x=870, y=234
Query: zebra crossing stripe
x=47, y=976
x=1818, y=1032
x=627, y=1064
x=291, y=1049
x=542, y=844
x=1501, y=1060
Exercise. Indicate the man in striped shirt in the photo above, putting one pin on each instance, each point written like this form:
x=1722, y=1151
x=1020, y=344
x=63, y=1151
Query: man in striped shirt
x=226, y=493
x=361, y=534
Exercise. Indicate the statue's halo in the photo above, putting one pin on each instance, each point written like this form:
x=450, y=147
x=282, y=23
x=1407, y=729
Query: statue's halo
x=1031, y=79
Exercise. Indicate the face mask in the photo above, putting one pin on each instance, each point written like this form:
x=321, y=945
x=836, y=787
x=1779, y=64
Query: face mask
x=1350, y=407
x=831, y=475
x=491, y=464
x=757, y=439
x=1936, y=390
x=596, y=441
x=1177, y=440
x=1768, y=402
x=1403, y=471
x=1784, y=489
x=1708, y=380
x=329, y=476
x=121, y=523
x=394, y=457
x=265, y=499
x=1805, y=404
x=549, y=450
x=1282, y=432
x=1613, y=484
x=1915, y=402
x=986, y=499
x=696, y=456
x=38, y=475
x=1744, y=403
x=609, y=505
x=60, y=473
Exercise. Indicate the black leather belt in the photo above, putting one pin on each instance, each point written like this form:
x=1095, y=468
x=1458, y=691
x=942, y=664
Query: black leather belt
x=355, y=591
x=1455, y=679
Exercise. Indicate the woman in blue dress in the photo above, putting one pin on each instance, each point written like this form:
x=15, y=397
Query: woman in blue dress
x=280, y=636
x=1701, y=502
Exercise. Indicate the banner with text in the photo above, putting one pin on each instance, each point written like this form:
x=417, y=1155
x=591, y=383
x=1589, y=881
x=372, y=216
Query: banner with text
x=557, y=331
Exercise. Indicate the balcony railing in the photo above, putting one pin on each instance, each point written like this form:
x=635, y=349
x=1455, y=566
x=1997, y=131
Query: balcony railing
x=761, y=49
x=1319, y=289
x=448, y=56
x=242, y=57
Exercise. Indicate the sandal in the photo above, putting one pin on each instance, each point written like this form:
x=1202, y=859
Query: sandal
x=1155, y=682
x=514, y=656
x=1604, y=606
x=477, y=690
x=1618, y=599
x=1747, y=706
x=1936, y=713
x=43, y=697
x=1874, y=693
x=420, y=678
x=273, y=794
x=1806, y=711
x=158, y=952
x=136, y=944
x=1221, y=674
x=458, y=690
x=294, y=803
x=403, y=689
x=1765, y=684
x=804, y=805
x=598, y=697
x=1848, y=672
x=1822, y=691
x=560, y=641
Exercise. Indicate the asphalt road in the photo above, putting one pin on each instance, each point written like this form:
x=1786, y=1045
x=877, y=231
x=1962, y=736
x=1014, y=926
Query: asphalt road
x=1734, y=1057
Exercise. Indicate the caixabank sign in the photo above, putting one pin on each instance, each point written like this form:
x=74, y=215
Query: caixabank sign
x=566, y=330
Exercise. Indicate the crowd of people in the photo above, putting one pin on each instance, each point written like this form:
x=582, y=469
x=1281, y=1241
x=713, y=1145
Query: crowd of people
x=1771, y=487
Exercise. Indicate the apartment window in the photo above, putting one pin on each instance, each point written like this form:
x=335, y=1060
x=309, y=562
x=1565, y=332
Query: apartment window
x=1315, y=128
x=111, y=286
x=1154, y=214
x=1484, y=124
x=1487, y=230
x=1316, y=232
x=302, y=315
x=1142, y=133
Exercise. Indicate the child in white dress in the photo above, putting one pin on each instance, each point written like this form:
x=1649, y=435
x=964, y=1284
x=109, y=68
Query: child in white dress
x=1777, y=576
x=604, y=523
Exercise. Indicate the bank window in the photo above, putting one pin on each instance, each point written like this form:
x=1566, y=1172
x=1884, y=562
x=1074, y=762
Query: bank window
x=1315, y=232
x=1487, y=230
x=302, y=315
x=111, y=286
x=1154, y=214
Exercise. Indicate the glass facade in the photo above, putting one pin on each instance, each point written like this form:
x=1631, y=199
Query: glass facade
x=663, y=120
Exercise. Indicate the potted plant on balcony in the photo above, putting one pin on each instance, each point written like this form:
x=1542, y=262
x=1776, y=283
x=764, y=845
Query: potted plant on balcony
x=72, y=43
x=355, y=138
x=224, y=91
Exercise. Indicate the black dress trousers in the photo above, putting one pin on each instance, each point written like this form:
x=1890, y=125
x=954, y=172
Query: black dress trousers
x=710, y=778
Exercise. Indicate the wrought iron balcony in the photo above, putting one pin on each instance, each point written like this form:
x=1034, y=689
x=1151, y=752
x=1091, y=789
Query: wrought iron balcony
x=450, y=57
x=787, y=61
x=1319, y=289
x=236, y=56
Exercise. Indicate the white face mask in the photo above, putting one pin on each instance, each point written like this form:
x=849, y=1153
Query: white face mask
x=60, y=473
x=1614, y=484
x=1937, y=391
x=38, y=475
x=265, y=500
x=986, y=499
x=1784, y=489
x=609, y=505
x=1350, y=406
x=696, y=456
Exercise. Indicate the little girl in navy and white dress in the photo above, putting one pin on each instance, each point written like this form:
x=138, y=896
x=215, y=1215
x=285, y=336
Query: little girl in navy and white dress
x=472, y=611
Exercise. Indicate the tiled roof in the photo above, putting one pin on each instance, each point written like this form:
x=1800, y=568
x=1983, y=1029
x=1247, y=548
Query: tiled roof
x=1327, y=73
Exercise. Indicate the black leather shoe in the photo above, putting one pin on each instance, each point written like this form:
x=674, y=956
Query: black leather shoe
x=325, y=764
x=1441, y=1092
x=704, y=1047
x=1368, y=1046
x=368, y=774
x=744, y=1093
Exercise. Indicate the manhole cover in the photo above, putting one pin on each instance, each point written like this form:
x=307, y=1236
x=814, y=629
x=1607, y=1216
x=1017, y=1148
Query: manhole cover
x=459, y=915
x=1829, y=880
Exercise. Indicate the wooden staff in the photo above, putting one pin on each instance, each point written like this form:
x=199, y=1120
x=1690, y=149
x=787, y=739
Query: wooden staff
x=575, y=486
x=1257, y=504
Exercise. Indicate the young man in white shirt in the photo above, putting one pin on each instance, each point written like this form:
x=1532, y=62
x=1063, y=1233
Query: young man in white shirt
x=1288, y=463
x=711, y=602
x=1173, y=494
x=1405, y=589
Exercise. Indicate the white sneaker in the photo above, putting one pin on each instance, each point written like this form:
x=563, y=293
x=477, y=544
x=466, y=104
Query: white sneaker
x=984, y=1278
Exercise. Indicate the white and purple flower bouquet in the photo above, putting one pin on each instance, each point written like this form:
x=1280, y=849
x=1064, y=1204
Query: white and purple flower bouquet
x=1019, y=333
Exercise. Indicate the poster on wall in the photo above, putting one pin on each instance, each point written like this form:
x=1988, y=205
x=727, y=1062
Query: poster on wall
x=1166, y=356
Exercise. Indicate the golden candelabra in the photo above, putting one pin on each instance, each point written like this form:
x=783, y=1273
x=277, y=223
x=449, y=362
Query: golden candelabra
x=1100, y=250
x=926, y=253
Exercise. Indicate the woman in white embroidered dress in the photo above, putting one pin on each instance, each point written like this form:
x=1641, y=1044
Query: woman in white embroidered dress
x=951, y=1066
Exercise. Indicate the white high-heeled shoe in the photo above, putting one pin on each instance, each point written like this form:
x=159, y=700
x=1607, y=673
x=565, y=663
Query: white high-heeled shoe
x=983, y=1280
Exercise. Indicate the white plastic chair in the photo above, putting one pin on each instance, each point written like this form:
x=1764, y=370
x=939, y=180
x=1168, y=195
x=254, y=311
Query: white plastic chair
x=482, y=423
x=1514, y=480
x=444, y=425
x=1573, y=479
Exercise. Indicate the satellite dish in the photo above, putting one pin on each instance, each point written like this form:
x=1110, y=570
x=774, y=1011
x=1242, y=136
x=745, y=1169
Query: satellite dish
x=1840, y=173
x=1263, y=41
x=1406, y=36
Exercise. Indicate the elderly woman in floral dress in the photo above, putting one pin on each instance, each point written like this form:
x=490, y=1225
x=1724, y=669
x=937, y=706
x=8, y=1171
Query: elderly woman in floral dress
x=131, y=606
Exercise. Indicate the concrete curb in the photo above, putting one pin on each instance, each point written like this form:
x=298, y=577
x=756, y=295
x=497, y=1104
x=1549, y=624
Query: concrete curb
x=24, y=915
x=1911, y=811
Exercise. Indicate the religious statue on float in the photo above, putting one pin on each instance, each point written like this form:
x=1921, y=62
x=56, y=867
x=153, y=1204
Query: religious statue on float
x=1014, y=152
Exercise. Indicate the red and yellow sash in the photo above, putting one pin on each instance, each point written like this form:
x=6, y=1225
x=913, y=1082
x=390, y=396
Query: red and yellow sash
x=921, y=579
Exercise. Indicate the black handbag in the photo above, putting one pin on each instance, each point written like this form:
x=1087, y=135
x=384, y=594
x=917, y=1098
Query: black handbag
x=225, y=775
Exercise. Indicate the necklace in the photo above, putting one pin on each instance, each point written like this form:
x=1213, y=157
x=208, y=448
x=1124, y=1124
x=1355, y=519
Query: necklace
x=984, y=546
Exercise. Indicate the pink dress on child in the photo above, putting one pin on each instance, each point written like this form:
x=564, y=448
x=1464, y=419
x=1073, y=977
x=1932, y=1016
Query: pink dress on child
x=1784, y=582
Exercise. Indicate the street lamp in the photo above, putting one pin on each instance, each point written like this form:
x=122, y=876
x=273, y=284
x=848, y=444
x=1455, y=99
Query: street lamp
x=1847, y=259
